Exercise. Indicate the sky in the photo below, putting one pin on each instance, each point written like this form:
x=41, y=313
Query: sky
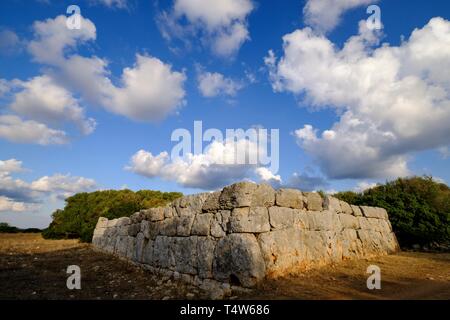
x=90, y=100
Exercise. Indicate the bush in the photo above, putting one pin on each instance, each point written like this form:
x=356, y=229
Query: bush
x=418, y=207
x=81, y=213
x=6, y=228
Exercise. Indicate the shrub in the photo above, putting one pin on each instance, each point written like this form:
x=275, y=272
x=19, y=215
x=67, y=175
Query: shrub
x=418, y=208
x=81, y=213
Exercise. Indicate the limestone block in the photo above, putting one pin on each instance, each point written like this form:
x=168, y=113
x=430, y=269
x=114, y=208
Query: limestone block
x=348, y=221
x=290, y=198
x=251, y=220
x=205, y=256
x=239, y=255
x=211, y=203
x=123, y=221
x=102, y=223
x=237, y=195
x=282, y=250
x=168, y=227
x=121, y=246
x=147, y=253
x=323, y=221
x=154, y=214
x=169, y=212
x=185, y=253
x=263, y=196
x=161, y=251
x=123, y=229
x=346, y=208
x=194, y=202
x=219, y=223
x=332, y=204
x=356, y=211
x=139, y=247
x=313, y=201
x=131, y=247
x=281, y=217
x=144, y=228
x=202, y=224
x=184, y=225
x=112, y=223
x=373, y=212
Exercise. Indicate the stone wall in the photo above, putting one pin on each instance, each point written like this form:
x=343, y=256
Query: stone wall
x=246, y=232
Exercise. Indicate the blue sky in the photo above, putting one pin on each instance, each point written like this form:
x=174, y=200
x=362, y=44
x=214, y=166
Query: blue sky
x=351, y=112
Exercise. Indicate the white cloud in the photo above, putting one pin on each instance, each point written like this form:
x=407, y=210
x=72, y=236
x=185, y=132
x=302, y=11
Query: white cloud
x=19, y=195
x=4, y=87
x=266, y=175
x=214, y=84
x=14, y=129
x=148, y=91
x=222, y=25
x=392, y=100
x=325, y=15
x=364, y=185
x=215, y=168
x=43, y=100
x=307, y=182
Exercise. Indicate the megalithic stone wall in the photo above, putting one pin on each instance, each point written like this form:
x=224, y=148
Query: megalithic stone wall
x=245, y=233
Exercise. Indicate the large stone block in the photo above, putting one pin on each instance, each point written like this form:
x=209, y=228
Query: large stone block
x=185, y=254
x=205, y=256
x=281, y=217
x=331, y=203
x=211, y=203
x=314, y=201
x=290, y=198
x=139, y=247
x=323, y=221
x=202, y=224
x=219, y=223
x=263, y=196
x=373, y=212
x=356, y=211
x=147, y=253
x=168, y=227
x=239, y=256
x=184, y=225
x=346, y=208
x=237, y=195
x=249, y=220
x=154, y=214
x=348, y=221
x=102, y=222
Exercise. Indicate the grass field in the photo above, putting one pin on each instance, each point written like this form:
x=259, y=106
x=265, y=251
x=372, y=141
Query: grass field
x=34, y=268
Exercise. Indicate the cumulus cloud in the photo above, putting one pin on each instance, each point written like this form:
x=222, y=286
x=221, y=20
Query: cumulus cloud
x=391, y=100
x=212, y=84
x=43, y=100
x=325, y=15
x=221, y=163
x=15, y=129
x=307, y=182
x=364, y=185
x=148, y=91
x=18, y=195
x=222, y=25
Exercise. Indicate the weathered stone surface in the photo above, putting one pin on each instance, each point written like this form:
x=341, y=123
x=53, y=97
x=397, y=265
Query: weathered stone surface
x=249, y=220
x=154, y=214
x=131, y=246
x=194, y=202
x=211, y=203
x=301, y=219
x=372, y=212
x=205, y=256
x=219, y=224
x=313, y=201
x=168, y=212
x=139, y=247
x=185, y=253
x=237, y=195
x=349, y=221
x=346, y=208
x=134, y=228
x=168, y=227
x=323, y=221
x=147, y=253
x=356, y=211
x=239, y=255
x=202, y=224
x=161, y=248
x=263, y=196
x=281, y=218
x=332, y=204
x=184, y=225
x=282, y=250
x=102, y=223
x=290, y=198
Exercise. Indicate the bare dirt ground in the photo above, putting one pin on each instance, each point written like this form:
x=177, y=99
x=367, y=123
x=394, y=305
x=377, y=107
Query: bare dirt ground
x=34, y=268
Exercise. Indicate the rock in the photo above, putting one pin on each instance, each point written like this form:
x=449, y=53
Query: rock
x=184, y=225
x=160, y=256
x=211, y=203
x=205, y=256
x=154, y=214
x=213, y=288
x=290, y=198
x=202, y=224
x=372, y=212
x=219, y=223
x=323, y=220
x=239, y=256
x=331, y=203
x=281, y=218
x=123, y=221
x=263, y=196
x=185, y=253
x=301, y=219
x=346, y=208
x=249, y=220
x=139, y=248
x=147, y=253
x=168, y=227
x=237, y=195
x=356, y=211
x=348, y=221
x=168, y=212
x=313, y=201
x=102, y=223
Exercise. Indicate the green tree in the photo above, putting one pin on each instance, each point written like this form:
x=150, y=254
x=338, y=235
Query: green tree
x=81, y=213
